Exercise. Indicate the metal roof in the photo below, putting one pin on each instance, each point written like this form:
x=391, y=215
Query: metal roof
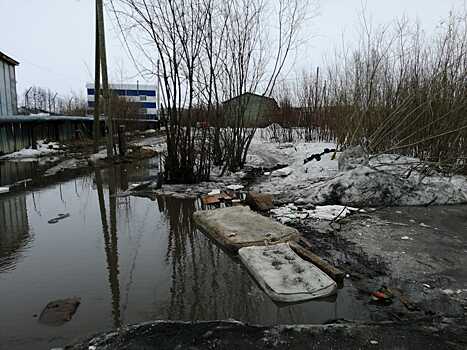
x=60, y=118
x=8, y=59
x=40, y=118
x=250, y=94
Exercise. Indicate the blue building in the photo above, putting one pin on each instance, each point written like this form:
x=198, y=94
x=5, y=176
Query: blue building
x=144, y=95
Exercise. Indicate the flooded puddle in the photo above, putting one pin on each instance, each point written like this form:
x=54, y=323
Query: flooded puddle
x=129, y=260
x=13, y=171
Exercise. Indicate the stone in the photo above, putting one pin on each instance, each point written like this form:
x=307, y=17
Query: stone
x=259, y=201
x=58, y=312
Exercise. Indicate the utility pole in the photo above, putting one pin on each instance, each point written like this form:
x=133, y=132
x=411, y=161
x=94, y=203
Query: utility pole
x=97, y=88
x=105, y=80
x=26, y=95
x=158, y=113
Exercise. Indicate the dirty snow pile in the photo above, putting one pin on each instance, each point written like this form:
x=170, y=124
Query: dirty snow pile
x=296, y=175
x=156, y=143
x=355, y=179
x=291, y=213
x=388, y=180
x=43, y=149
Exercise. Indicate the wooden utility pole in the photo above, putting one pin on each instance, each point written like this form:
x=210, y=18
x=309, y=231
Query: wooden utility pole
x=97, y=88
x=105, y=82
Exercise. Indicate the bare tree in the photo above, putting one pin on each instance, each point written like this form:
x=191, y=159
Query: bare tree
x=209, y=51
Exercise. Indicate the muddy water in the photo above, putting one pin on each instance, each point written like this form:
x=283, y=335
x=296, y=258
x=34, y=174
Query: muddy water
x=129, y=259
x=10, y=171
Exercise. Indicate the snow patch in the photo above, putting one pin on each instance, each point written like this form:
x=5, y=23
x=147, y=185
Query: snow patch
x=383, y=180
x=235, y=187
x=365, y=186
x=290, y=213
x=282, y=172
x=43, y=149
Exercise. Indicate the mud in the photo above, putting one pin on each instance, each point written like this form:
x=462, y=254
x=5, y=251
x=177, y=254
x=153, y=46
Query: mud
x=236, y=335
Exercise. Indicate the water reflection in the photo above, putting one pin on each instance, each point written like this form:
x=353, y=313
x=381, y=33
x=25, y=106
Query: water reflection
x=129, y=259
x=14, y=231
x=110, y=242
x=13, y=171
x=208, y=283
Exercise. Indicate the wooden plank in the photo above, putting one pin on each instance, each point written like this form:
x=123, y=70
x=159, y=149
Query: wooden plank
x=336, y=274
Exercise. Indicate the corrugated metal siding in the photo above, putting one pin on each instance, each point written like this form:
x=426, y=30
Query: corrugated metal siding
x=8, y=97
x=6, y=73
x=14, y=96
x=3, y=110
x=17, y=135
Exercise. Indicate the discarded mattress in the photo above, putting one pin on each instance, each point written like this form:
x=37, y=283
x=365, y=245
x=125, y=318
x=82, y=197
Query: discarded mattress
x=284, y=275
x=238, y=227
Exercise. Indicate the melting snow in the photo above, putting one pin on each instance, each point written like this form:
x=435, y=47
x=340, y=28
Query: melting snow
x=43, y=149
x=388, y=180
x=291, y=212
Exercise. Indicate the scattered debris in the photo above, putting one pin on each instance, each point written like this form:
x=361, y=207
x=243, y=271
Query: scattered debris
x=212, y=199
x=259, y=201
x=58, y=312
x=374, y=342
x=235, y=187
x=406, y=238
x=291, y=212
x=58, y=218
x=382, y=296
x=318, y=156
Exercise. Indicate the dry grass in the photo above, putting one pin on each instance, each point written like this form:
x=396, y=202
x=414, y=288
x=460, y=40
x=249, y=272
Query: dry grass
x=396, y=92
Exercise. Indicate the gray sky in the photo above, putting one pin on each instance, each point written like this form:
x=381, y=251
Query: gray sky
x=53, y=39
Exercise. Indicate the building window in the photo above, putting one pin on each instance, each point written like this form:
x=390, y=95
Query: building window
x=142, y=98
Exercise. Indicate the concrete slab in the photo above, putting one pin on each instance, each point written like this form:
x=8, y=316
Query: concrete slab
x=284, y=275
x=238, y=227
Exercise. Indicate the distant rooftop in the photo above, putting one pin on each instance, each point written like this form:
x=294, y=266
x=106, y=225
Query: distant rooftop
x=126, y=86
x=249, y=94
x=8, y=59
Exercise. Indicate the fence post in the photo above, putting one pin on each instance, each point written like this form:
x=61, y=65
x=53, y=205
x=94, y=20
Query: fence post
x=121, y=140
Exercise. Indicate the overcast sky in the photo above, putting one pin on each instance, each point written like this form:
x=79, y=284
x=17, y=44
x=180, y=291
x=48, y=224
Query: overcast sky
x=53, y=39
